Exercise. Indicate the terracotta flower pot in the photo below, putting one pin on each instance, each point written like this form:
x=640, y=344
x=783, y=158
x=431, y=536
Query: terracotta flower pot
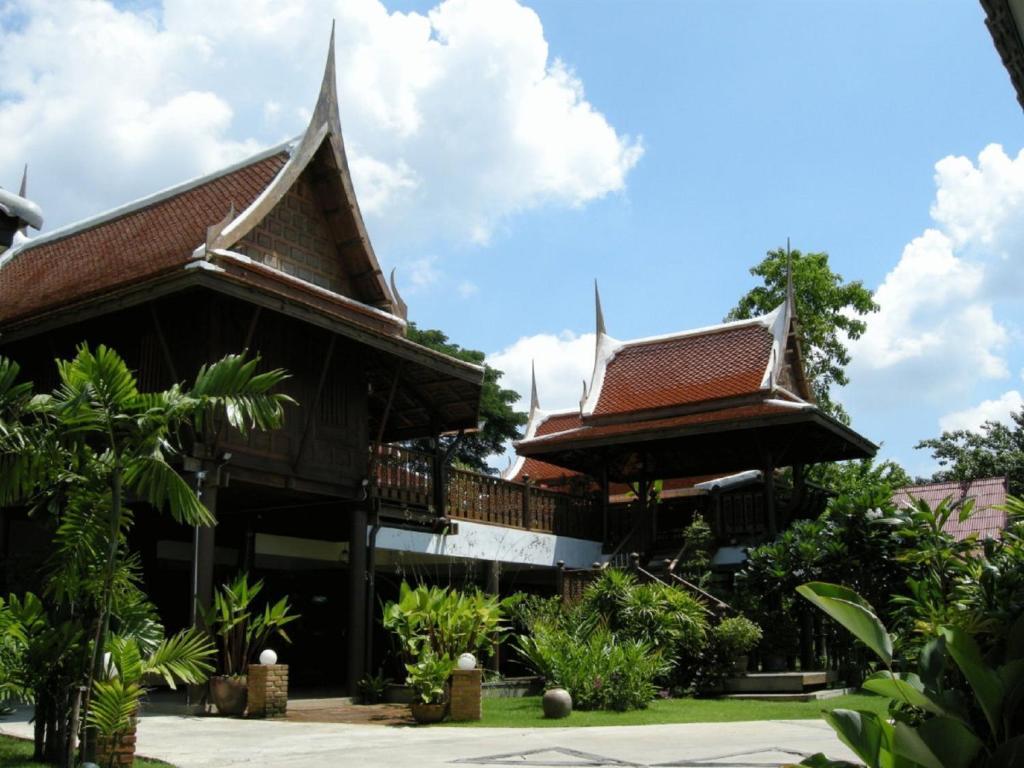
x=428, y=713
x=229, y=694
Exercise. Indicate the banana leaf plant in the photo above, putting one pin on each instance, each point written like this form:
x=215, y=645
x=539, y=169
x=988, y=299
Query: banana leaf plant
x=958, y=710
x=240, y=627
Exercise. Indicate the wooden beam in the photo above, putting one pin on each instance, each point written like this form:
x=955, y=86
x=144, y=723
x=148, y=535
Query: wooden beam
x=168, y=358
x=311, y=413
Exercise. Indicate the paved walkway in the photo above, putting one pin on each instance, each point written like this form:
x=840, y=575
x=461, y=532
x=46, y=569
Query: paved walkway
x=204, y=742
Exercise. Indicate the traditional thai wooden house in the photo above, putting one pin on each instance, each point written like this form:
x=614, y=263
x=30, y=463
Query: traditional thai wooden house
x=697, y=421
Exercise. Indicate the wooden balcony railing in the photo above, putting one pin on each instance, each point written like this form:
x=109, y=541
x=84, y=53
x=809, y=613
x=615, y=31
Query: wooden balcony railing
x=406, y=477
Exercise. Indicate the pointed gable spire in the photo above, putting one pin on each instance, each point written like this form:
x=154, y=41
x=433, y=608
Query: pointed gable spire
x=324, y=131
x=401, y=308
x=790, y=293
x=23, y=189
x=534, y=399
x=601, y=331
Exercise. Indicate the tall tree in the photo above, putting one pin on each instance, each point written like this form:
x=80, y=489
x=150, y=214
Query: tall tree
x=994, y=450
x=501, y=422
x=830, y=311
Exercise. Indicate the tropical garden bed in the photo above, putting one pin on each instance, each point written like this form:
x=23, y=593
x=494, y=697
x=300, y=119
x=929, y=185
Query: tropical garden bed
x=526, y=712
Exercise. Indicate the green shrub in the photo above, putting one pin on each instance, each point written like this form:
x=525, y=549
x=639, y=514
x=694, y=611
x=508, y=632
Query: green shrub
x=428, y=677
x=736, y=636
x=600, y=670
x=444, y=622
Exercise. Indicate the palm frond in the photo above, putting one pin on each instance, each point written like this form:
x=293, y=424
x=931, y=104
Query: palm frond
x=156, y=481
x=114, y=704
x=183, y=658
x=233, y=385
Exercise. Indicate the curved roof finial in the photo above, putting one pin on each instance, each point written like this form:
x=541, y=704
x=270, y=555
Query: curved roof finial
x=534, y=399
x=790, y=292
x=583, y=398
x=601, y=331
x=23, y=190
x=401, y=308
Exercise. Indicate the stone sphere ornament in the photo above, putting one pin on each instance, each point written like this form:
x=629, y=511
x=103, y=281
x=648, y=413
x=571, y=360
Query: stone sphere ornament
x=467, y=661
x=557, y=703
x=268, y=657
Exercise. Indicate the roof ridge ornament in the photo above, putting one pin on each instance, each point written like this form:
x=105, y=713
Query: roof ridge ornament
x=23, y=189
x=790, y=292
x=599, y=319
x=213, y=231
x=534, y=399
x=401, y=308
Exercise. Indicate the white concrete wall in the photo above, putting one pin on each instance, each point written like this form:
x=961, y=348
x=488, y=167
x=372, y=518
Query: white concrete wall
x=477, y=541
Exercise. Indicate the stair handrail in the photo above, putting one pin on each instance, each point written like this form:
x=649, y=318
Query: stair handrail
x=622, y=543
x=722, y=605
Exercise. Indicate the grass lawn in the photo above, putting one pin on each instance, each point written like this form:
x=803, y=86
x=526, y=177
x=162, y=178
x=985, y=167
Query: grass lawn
x=526, y=712
x=17, y=753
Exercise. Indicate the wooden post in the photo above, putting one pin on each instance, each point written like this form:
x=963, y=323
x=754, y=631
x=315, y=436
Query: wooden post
x=527, y=514
x=356, y=596
x=606, y=544
x=203, y=554
x=769, y=496
x=494, y=588
x=440, y=475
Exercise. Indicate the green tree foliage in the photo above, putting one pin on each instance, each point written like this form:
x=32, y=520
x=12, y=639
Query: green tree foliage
x=501, y=421
x=830, y=311
x=994, y=450
x=79, y=454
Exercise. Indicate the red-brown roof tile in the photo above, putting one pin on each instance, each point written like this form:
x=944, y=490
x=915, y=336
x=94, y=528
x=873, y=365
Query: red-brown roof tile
x=140, y=244
x=651, y=426
x=724, y=362
x=987, y=493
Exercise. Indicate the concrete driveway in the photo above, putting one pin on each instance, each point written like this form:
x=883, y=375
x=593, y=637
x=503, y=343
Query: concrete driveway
x=201, y=742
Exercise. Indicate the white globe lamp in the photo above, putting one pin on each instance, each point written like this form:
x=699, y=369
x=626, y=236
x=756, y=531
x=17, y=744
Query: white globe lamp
x=268, y=657
x=467, y=661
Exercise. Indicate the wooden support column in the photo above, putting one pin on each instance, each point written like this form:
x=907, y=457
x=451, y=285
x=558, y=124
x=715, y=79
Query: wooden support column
x=606, y=544
x=358, y=520
x=204, y=541
x=494, y=588
x=769, y=496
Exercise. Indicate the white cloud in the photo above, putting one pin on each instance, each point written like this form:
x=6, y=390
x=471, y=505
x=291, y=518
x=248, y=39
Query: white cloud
x=467, y=288
x=988, y=410
x=422, y=273
x=563, y=362
x=455, y=120
x=939, y=332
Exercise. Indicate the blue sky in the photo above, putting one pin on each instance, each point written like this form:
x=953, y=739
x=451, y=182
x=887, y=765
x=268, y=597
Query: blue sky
x=712, y=132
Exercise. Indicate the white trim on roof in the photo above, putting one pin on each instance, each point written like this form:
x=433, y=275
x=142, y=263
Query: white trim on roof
x=730, y=481
x=144, y=202
x=537, y=417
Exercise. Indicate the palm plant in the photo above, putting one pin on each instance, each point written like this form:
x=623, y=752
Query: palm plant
x=96, y=440
x=182, y=658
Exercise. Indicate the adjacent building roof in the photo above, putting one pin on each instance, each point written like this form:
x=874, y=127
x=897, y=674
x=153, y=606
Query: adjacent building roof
x=719, y=399
x=1005, y=21
x=987, y=493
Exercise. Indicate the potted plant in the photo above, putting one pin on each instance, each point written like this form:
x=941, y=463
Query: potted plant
x=371, y=688
x=428, y=679
x=241, y=631
x=735, y=637
x=183, y=658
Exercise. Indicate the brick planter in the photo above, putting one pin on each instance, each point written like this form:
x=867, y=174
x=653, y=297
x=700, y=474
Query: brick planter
x=466, y=699
x=119, y=751
x=268, y=690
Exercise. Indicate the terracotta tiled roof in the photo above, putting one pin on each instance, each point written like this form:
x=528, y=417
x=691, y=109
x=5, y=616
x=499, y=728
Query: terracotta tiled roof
x=729, y=361
x=987, y=493
x=540, y=471
x=139, y=244
x=648, y=427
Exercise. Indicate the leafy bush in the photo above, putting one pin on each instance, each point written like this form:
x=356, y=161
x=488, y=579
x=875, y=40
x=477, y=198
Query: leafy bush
x=599, y=669
x=444, y=622
x=959, y=709
x=428, y=677
x=241, y=629
x=736, y=636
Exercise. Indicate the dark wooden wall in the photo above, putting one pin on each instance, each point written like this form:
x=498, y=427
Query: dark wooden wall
x=323, y=446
